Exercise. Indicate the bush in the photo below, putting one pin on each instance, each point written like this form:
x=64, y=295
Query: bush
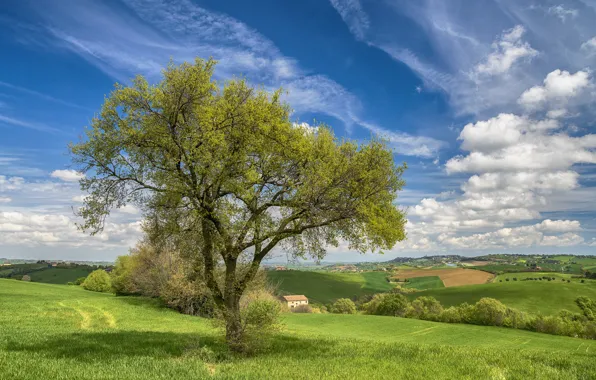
x=488, y=312
x=425, y=308
x=304, y=309
x=122, y=280
x=514, y=278
x=26, y=278
x=507, y=279
x=70, y=283
x=344, y=306
x=392, y=304
x=98, y=281
x=582, y=281
x=80, y=280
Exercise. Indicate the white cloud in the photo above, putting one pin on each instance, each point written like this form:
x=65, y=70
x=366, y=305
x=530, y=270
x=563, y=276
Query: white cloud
x=5, y=200
x=589, y=46
x=10, y=183
x=67, y=175
x=508, y=50
x=26, y=124
x=353, y=15
x=559, y=87
x=563, y=13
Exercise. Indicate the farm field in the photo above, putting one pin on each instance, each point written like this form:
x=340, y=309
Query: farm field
x=326, y=287
x=523, y=275
x=450, y=277
x=422, y=283
x=543, y=297
x=54, y=331
x=59, y=275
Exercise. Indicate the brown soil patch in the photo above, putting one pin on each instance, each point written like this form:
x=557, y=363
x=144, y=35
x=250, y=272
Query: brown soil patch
x=450, y=277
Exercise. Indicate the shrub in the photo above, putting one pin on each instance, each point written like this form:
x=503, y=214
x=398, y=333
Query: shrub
x=344, y=306
x=514, y=278
x=425, y=308
x=500, y=280
x=80, y=280
x=26, y=278
x=393, y=304
x=507, y=279
x=568, y=281
x=452, y=314
x=587, y=306
x=122, y=280
x=582, y=281
x=70, y=283
x=488, y=312
x=98, y=281
x=304, y=309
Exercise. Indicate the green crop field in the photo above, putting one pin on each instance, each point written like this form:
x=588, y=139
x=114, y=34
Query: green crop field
x=522, y=275
x=61, y=332
x=546, y=297
x=60, y=275
x=421, y=283
x=326, y=287
x=495, y=268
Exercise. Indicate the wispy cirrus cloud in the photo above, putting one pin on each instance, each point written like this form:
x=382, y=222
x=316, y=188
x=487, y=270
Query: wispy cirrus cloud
x=123, y=44
x=40, y=95
x=27, y=124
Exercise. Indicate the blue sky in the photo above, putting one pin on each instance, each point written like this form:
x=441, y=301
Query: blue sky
x=490, y=102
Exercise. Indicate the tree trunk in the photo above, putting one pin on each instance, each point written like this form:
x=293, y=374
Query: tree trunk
x=234, y=330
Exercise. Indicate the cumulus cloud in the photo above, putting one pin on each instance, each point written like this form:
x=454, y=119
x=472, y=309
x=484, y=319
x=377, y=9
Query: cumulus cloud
x=67, y=175
x=507, y=51
x=559, y=87
x=589, y=46
x=563, y=13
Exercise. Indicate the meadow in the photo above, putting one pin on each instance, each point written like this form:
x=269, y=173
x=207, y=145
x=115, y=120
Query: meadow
x=422, y=283
x=546, y=297
x=63, y=332
x=326, y=287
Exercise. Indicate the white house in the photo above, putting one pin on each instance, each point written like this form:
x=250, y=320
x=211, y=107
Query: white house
x=294, y=301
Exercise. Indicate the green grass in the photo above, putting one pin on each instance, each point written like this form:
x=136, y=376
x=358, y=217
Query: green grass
x=494, y=268
x=546, y=297
x=60, y=332
x=326, y=287
x=522, y=275
x=60, y=275
x=421, y=283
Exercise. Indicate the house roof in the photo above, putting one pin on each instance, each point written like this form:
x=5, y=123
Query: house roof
x=295, y=298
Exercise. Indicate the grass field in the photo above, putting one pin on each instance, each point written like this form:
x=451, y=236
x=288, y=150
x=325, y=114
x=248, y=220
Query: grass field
x=59, y=275
x=422, y=283
x=522, y=275
x=326, y=287
x=60, y=332
x=531, y=296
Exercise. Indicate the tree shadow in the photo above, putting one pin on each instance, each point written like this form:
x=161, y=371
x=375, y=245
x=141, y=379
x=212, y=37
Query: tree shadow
x=89, y=346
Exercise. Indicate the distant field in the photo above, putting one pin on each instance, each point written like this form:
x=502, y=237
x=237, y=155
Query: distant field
x=60, y=332
x=450, y=277
x=422, y=283
x=496, y=268
x=522, y=275
x=326, y=287
x=546, y=297
x=475, y=263
x=59, y=275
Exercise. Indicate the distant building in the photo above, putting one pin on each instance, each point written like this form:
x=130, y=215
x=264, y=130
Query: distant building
x=296, y=300
x=280, y=267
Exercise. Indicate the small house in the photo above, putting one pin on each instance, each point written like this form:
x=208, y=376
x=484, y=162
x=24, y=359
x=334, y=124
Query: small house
x=294, y=301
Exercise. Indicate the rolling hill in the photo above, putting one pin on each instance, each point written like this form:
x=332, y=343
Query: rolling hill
x=54, y=331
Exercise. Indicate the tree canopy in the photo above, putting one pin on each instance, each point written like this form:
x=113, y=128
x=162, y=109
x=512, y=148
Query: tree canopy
x=221, y=170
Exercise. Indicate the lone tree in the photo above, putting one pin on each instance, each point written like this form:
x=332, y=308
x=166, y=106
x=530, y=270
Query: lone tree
x=224, y=168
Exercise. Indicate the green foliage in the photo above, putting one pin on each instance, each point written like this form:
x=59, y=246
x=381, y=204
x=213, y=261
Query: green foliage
x=80, y=280
x=122, y=275
x=98, y=281
x=221, y=169
x=303, y=309
x=425, y=308
x=343, y=306
x=587, y=306
x=26, y=278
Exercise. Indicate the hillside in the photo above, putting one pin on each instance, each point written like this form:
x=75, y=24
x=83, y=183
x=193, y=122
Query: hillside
x=532, y=296
x=55, y=331
x=326, y=287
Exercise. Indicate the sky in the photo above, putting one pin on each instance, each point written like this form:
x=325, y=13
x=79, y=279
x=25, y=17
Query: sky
x=491, y=103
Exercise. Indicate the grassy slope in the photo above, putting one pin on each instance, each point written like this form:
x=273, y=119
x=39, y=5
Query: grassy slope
x=324, y=287
x=531, y=296
x=54, y=331
x=428, y=282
